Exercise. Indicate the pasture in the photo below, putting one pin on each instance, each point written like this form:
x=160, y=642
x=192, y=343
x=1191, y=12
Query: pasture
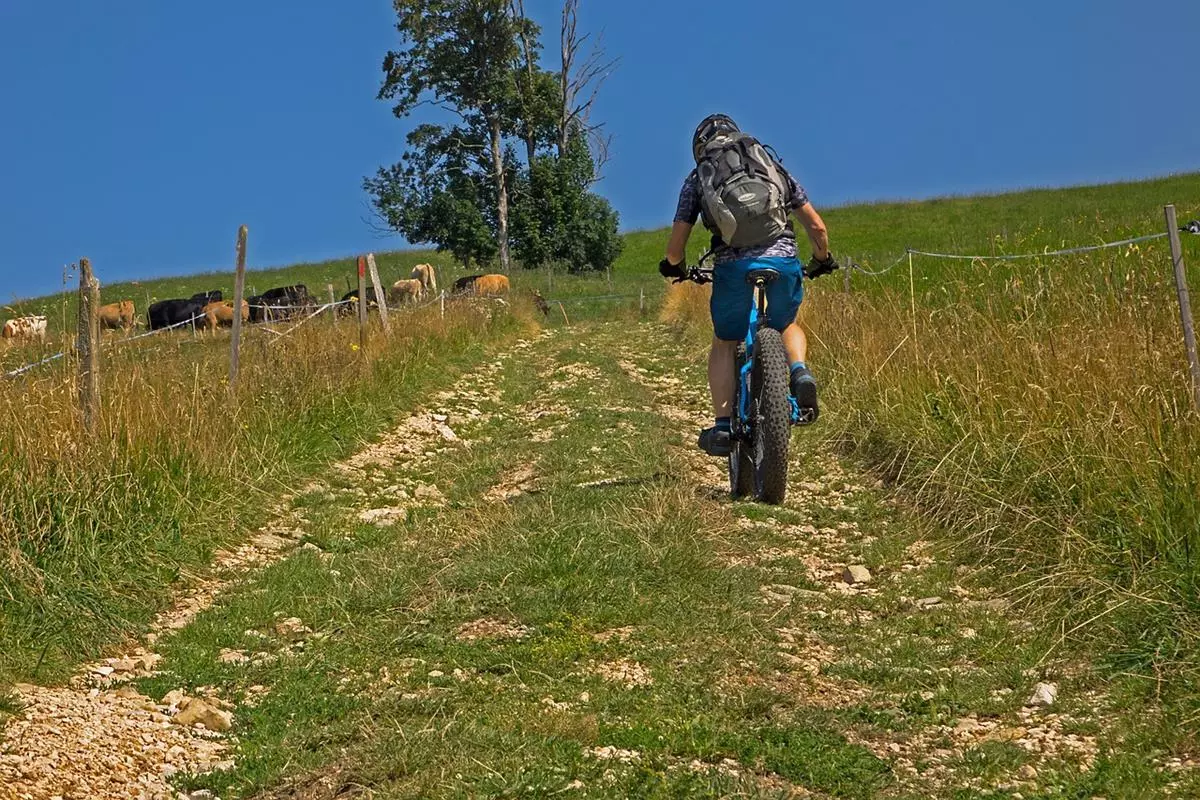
x=562, y=600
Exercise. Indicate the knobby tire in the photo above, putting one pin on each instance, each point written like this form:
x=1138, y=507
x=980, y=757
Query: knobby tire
x=771, y=411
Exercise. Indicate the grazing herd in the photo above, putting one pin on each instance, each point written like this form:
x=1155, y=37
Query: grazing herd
x=209, y=310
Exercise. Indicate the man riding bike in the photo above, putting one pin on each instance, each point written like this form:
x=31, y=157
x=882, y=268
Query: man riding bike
x=749, y=204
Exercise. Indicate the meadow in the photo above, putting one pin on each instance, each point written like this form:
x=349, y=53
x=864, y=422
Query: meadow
x=1040, y=409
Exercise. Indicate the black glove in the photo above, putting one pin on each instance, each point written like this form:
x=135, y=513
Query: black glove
x=816, y=267
x=669, y=270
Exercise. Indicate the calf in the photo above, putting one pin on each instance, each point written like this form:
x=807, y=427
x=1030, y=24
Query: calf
x=220, y=315
x=404, y=291
x=29, y=329
x=351, y=297
x=117, y=315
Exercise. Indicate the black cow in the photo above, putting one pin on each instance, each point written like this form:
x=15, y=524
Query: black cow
x=464, y=285
x=258, y=308
x=372, y=301
x=204, y=298
x=166, y=313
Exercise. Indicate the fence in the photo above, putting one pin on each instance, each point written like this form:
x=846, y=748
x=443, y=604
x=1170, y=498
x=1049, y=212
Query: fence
x=89, y=344
x=1173, y=229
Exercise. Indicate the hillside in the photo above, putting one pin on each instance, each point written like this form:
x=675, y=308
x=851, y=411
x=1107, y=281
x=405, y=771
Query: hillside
x=482, y=557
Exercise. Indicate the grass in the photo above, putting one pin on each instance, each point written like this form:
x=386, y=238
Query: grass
x=1040, y=409
x=94, y=532
x=738, y=692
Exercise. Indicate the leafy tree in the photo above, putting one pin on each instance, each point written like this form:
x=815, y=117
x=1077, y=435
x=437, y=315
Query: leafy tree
x=461, y=186
x=557, y=219
x=458, y=55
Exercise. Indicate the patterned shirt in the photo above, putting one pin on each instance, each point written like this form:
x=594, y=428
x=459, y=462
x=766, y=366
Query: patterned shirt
x=689, y=211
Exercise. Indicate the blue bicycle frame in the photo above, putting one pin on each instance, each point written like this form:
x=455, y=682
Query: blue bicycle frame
x=743, y=410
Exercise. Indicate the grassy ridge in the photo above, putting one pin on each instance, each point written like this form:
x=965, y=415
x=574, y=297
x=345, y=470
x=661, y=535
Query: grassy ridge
x=1040, y=407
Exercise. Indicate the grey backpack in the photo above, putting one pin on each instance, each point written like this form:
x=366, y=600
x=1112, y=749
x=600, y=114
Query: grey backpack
x=743, y=193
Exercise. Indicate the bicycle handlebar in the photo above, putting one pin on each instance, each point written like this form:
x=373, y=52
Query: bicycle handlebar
x=699, y=275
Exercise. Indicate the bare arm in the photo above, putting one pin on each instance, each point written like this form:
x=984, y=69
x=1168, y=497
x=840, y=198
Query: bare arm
x=814, y=226
x=677, y=246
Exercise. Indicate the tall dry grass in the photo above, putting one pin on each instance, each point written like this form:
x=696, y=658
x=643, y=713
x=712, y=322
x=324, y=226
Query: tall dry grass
x=1042, y=411
x=94, y=530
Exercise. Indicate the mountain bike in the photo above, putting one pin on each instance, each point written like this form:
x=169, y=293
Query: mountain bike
x=764, y=409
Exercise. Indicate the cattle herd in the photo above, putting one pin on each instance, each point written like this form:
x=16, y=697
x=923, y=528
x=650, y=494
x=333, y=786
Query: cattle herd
x=209, y=310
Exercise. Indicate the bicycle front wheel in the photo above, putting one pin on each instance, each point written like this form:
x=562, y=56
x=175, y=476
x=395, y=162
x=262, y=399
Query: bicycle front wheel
x=742, y=481
x=772, y=415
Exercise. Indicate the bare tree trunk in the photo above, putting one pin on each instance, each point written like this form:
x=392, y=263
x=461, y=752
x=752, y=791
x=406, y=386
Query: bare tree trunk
x=518, y=8
x=568, y=41
x=501, y=194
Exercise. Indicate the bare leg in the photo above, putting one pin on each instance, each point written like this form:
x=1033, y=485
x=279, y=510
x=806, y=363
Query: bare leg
x=795, y=343
x=720, y=376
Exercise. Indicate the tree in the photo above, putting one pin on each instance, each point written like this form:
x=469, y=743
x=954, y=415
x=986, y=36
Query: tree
x=461, y=186
x=557, y=219
x=458, y=55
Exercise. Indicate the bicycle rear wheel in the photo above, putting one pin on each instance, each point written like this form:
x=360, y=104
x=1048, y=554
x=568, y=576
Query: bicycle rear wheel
x=771, y=413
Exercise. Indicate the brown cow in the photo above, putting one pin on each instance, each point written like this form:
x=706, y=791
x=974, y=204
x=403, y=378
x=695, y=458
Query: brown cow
x=489, y=285
x=25, y=328
x=403, y=291
x=426, y=275
x=117, y=315
x=220, y=315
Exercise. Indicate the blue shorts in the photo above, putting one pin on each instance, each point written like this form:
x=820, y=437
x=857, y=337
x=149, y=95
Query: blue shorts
x=732, y=297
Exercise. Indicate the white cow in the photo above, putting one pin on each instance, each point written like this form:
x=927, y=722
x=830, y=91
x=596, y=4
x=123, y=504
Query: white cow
x=25, y=329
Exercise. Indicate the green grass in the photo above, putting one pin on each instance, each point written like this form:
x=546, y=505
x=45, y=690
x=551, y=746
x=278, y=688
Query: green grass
x=95, y=534
x=1040, y=409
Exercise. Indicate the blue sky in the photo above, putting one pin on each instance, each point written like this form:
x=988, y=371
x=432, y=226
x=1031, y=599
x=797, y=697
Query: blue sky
x=141, y=133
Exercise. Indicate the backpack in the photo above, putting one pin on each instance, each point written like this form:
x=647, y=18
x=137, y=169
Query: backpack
x=743, y=191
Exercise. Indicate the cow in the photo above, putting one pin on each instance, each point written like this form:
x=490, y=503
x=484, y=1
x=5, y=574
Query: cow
x=204, y=298
x=258, y=308
x=283, y=302
x=220, y=315
x=168, y=313
x=28, y=329
x=465, y=285
x=491, y=285
x=404, y=291
x=117, y=315
x=426, y=275
x=351, y=297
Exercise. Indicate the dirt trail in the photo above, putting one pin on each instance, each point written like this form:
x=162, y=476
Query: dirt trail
x=848, y=646
x=98, y=736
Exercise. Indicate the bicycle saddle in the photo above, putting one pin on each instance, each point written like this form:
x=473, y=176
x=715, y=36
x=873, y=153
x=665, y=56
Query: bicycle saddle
x=766, y=275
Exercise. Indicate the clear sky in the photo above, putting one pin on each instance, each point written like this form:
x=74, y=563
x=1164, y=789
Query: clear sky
x=141, y=133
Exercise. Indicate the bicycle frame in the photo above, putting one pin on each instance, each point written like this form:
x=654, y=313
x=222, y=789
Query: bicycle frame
x=758, y=313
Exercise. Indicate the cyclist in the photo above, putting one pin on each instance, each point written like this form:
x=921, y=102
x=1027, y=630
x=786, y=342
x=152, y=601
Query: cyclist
x=752, y=203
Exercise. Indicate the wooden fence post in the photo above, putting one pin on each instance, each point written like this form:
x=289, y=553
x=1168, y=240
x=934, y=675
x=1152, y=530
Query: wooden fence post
x=442, y=298
x=1185, y=304
x=89, y=346
x=362, y=305
x=380, y=297
x=641, y=300
x=846, y=274
x=239, y=291
x=332, y=308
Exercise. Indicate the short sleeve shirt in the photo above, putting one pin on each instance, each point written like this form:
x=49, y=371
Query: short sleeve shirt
x=688, y=210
